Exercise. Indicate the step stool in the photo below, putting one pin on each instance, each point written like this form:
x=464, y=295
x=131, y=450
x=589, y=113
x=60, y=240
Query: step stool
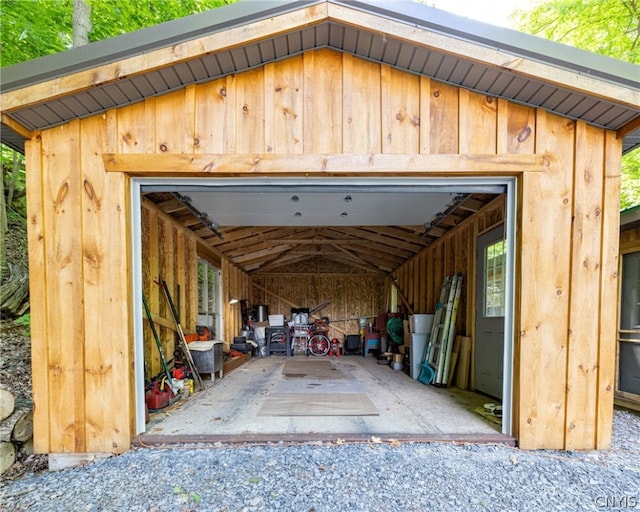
x=372, y=342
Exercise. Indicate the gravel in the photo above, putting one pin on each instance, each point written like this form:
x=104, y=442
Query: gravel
x=381, y=475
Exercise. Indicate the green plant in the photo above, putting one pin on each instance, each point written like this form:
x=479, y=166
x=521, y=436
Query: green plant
x=24, y=321
x=189, y=498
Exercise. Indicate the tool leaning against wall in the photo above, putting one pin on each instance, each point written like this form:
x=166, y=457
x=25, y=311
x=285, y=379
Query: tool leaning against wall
x=182, y=343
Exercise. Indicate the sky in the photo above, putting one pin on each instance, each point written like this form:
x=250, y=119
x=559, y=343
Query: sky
x=495, y=12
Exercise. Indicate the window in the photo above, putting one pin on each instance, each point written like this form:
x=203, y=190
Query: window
x=209, y=297
x=494, y=279
x=630, y=306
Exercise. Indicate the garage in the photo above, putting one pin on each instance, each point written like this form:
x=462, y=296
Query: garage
x=437, y=128
x=333, y=256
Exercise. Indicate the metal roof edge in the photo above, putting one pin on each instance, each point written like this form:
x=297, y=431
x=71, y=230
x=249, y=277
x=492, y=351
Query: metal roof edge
x=246, y=11
x=505, y=39
x=630, y=214
x=144, y=40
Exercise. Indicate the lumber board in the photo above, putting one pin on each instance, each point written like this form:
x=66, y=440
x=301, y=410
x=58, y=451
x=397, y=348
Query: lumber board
x=478, y=121
x=582, y=360
x=323, y=102
x=210, y=115
x=170, y=122
x=250, y=112
x=608, y=292
x=287, y=102
x=37, y=294
x=443, y=121
x=464, y=360
x=62, y=182
x=542, y=318
x=131, y=129
x=222, y=165
x=106, y=343
x=400, y=111
x=516, y=128
x=362, y=126
x=425, y=135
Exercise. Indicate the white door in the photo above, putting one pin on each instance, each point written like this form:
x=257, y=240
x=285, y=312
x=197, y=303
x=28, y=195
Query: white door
x=490, y=310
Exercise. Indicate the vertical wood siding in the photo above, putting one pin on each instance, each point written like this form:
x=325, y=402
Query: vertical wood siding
x=322, y=102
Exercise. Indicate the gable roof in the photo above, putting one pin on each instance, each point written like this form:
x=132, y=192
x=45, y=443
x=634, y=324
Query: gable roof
x=408, y=36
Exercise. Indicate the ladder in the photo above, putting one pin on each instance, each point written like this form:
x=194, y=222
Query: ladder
x=443, y=330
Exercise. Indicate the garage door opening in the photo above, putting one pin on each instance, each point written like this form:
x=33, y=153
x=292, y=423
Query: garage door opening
x=349, y=246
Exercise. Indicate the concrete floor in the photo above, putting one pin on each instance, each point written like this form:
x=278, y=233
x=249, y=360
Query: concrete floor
x=228, y=409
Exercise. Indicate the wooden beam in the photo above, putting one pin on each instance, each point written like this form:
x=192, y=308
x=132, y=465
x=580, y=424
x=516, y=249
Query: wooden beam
x=628, y=128
x=17, y=127
x=224, y=165
x=357, y=258
x=401, y=294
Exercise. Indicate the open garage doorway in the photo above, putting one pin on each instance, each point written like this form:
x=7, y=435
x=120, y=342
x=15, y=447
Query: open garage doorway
x=294, y=221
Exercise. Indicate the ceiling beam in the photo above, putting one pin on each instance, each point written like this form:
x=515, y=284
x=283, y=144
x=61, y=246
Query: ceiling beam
x=378, y=164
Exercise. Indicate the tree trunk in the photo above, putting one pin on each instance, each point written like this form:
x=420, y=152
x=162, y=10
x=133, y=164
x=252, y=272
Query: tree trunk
x=7, y=456
x=7, y=402
x=14, y=295
x=19, y=426
x=81, y=22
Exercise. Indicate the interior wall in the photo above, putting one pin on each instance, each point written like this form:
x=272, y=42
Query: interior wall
x=350, y=293
x=235, y=284
x=420, y=279
x=169, y=253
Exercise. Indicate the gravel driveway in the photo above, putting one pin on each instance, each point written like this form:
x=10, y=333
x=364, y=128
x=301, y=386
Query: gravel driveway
x=378, y=476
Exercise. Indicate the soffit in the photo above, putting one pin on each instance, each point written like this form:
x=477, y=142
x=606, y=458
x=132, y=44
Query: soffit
x=411, y=38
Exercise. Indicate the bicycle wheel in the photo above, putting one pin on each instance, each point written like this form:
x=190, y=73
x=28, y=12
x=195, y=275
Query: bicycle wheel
x=319, y=345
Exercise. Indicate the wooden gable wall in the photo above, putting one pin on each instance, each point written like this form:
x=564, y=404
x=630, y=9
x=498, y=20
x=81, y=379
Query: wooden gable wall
x=322, y=105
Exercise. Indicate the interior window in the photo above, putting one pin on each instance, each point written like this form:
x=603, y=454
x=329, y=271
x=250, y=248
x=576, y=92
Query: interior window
x=494, y=279
x=209, y=297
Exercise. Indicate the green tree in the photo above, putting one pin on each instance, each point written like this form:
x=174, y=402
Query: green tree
x=34, y=28
x=607, y=27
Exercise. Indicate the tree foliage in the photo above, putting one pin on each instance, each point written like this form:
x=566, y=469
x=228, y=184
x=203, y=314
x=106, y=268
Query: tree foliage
x=607, y=27
x=35, y=28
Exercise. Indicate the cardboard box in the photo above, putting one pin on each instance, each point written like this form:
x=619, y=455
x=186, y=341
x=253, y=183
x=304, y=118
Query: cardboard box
x=276, y=320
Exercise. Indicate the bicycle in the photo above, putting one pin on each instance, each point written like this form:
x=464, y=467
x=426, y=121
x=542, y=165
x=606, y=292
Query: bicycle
x=311, y=338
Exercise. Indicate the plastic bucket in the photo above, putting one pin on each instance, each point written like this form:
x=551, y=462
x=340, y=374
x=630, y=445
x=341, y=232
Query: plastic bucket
x=422, y=323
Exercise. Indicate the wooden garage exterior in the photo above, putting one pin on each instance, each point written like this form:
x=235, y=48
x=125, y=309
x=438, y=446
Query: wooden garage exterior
x=321, y=113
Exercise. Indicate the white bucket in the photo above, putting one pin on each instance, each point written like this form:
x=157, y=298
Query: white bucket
x=422, y=323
